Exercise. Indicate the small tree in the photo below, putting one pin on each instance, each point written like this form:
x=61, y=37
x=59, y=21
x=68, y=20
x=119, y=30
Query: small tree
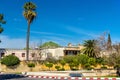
x=31, y=65
x=62, y=62
x=92, y=61
x=10, y=60
x=49, y=65
x=82, y=59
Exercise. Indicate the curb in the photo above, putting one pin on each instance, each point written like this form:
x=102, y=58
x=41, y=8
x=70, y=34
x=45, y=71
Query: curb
x=71, y=78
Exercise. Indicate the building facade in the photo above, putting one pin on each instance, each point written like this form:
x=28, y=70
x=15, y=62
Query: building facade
x=42, y=54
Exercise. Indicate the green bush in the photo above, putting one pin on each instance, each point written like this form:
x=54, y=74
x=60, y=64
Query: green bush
x=31, y=65
x=74, y=69
x=49, y=65
x=117, y=66
x=87, y=65
x=62, y=62
x=103, y=67
x=89, y=68
x=62, y=69
x=57, y=67
x=10, y=60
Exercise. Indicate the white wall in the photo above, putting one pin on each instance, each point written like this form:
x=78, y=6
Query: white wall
x=56, y=53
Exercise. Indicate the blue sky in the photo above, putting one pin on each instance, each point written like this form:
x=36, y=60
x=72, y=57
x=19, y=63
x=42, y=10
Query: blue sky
x=62, y=21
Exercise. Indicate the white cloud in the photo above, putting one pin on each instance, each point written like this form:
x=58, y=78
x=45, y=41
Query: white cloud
x=8, y=42
x=20, y=43
x=82, y=32
x=46, y=33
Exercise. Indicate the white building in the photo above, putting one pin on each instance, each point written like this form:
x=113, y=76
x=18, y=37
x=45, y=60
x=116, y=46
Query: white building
x=43, y=53
x=33, y=54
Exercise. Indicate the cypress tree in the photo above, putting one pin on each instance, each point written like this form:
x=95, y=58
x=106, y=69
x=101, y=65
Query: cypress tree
x=109, y=43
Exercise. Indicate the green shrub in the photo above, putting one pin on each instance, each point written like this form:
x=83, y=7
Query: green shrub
x=62, y=62
x=62, y=69
x=89, y=68
x=57, y=67
x=10, y=60
x=49, y=65
x=74, y=69
x=87, y=65
x=103, y=67
x=117, y=66
x=31, y=65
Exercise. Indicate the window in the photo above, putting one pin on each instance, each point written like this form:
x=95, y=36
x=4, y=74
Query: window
x=13, y=53
x=33, y=54
x=23, y=54
x=2, y=54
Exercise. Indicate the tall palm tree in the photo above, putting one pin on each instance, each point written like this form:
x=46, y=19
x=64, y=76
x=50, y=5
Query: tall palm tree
x=90, y=48
x=2, y=21
x=30, y=14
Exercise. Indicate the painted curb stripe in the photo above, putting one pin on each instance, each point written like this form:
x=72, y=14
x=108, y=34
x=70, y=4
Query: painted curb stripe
x=71, y=78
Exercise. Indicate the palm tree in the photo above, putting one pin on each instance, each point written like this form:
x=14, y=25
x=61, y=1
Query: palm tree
x=2, y=21
x=30, y=14
x=90, y=48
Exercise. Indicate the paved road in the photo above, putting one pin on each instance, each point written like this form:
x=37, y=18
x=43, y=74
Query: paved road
x=17, y=77
x=22, y=77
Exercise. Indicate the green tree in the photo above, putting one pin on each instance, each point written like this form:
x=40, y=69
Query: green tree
x=90, y=48
x=49, y=65
x=76, y=63
x=50, y=44
x=69, y=58
x=109, y=43
x=72, y=61
x=29, y=13
x=82, y=59
x=92, y=61
x=62, y=62
x=10, y=60
x=99, y=60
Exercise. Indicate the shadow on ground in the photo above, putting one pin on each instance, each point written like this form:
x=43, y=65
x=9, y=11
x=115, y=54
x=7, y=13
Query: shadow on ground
x=11, y=76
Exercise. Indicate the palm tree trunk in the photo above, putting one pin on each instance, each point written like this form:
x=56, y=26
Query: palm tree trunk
x=27, y=42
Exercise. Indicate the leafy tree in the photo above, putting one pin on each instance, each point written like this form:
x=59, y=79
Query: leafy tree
x=71, y=65
x=69, y=58
x=62, y=62
x=50, y=44
x=92, y=61
x=10, y=60
x=82, y=59
x=90, y=48
x=72, y=61
x=87, y=66
x=100, y=60
x=29, y=13
x=49, y=65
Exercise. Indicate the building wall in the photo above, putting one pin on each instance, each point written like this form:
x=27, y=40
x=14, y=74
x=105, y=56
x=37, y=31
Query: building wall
x=56, y=53
x=40, y=54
